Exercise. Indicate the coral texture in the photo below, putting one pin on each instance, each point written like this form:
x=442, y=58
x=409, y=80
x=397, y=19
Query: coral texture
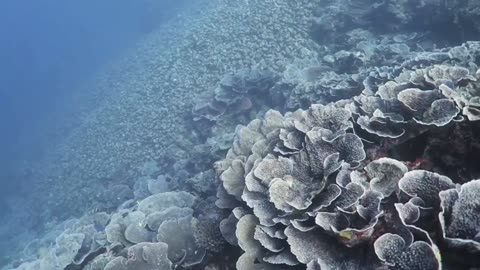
x=318, y=194
x=340, y=143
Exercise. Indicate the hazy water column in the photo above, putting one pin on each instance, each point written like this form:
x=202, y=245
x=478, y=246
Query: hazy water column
x=47, y=47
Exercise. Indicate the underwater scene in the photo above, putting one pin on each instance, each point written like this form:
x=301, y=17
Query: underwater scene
x=240, y=134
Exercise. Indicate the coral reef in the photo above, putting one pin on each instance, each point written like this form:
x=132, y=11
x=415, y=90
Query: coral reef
x=359, y=151
x=244, y=90
x=141, y=101
x=444, y=23
x=317, y=195
x=158, y=232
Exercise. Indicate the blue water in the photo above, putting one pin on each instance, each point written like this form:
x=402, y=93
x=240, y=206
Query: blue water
x=47, y=49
